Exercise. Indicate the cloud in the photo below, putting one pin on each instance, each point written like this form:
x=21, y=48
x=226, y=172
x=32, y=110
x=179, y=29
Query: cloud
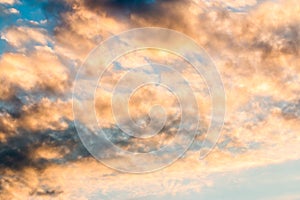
x=22, y=35
x=127, y=7
x=9, y=11
x=40, y=69
x=8, y=2
x=45, y=115
x=257, y=55
x=110, y=17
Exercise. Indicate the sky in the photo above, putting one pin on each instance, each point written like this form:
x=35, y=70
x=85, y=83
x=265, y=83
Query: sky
x=253, y=45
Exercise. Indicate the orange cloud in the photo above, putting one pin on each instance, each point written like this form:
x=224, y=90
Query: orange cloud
x=19, y=36
x=256, y=53
x=40, y=69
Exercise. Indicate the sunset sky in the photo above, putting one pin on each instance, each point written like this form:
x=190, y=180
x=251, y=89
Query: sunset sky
x=255, y=47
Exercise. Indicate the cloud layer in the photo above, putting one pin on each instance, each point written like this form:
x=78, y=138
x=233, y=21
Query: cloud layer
x=254, y=44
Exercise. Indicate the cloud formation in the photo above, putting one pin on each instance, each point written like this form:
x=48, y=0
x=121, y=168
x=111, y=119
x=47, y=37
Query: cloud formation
x=40, y=69
x=257, y=54
x=18, y=37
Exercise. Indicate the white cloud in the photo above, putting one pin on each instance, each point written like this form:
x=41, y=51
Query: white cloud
x=9, y=2
x=22, y=35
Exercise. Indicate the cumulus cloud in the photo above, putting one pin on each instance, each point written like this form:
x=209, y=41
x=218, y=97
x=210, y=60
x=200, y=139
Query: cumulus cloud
x=40, y=69
x=20, y=36
x=9, y=11
x=8, y=2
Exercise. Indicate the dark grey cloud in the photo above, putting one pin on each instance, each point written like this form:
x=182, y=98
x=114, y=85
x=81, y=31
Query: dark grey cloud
x=141, y=7
x=291, y=110
x=163, y=13
x=284, y=39
x=17, y=151
x=12, y=106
